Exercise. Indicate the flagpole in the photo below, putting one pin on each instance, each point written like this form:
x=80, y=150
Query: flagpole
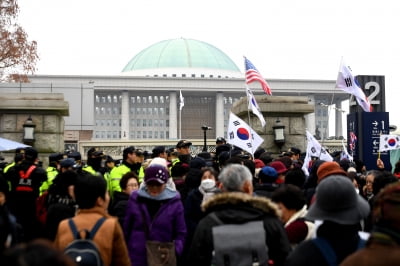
x=329, y=109
x=180, y=123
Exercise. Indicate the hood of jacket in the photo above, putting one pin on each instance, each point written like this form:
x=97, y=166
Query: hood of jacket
x=240, y=201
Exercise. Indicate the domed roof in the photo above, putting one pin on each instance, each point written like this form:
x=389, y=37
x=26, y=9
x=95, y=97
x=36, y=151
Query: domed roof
x=182, y=56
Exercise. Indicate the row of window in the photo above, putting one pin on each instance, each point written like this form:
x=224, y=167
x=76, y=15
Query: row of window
x=156, y=111
x=108, y=98
x=149, y=123
x=116, y=99
x=149, y=134
x=149, y=99
x=107, y=134
x=108, y=122
x=133, y=134
x=107, y=110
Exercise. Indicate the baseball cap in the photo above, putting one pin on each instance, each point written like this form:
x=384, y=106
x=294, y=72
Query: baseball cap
x=75, y=155
x=183, y=143
x=278, y=166
x=68, y=162
x=220, y=140
x=157, y=173
x=268, y=174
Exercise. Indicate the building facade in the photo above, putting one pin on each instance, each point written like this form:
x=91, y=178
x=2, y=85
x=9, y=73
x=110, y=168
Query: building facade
x=143, y=102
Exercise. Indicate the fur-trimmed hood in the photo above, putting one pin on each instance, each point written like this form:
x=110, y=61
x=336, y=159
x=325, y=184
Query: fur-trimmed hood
x=239, y=198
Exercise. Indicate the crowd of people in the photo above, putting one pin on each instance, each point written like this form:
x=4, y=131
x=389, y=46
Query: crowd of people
x=340, y=213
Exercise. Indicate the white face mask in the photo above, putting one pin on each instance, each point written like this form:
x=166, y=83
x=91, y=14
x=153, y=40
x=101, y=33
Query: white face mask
x=207, y=184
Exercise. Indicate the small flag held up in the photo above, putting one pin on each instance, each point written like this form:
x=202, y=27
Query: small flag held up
x=241, y=135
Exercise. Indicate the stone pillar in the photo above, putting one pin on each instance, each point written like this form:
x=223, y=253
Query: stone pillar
x=219, y=114
x=291, y=112
x=125, y=115
x=47, y=111
x=173, y=117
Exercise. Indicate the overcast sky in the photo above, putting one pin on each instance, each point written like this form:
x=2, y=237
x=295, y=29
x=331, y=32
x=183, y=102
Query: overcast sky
x=284, y=39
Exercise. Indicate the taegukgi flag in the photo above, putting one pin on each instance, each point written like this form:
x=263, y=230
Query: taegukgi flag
x=348, y=83
x=389, y=142
x=314, y=149
x=241, y=135
x=253, y=106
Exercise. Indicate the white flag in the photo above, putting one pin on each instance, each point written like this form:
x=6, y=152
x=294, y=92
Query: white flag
x=181, y=101
x=314, y=149
x=241, y=135
x=345, y=154
x=253, y=106
x=348, y=83
x=389, y=142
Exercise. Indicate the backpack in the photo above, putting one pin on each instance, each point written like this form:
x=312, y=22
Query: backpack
x=327, y=251
x=239, y=244
x=84, y=251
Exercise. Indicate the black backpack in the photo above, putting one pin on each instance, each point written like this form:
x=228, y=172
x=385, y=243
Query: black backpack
x=239, y=244
x=84, y=251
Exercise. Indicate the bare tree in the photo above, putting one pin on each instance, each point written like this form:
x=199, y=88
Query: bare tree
x=18, y=56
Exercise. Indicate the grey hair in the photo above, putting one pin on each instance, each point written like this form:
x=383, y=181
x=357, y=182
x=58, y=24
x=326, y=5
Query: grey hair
x=233, y=177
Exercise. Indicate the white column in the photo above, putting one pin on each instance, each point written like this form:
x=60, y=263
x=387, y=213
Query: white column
x=125, y=115
x=219, y=114
x=310, y=118
x=173, y=117
x=338, y=119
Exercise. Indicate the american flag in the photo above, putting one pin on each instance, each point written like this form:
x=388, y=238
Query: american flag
x=252, y=75
x=353, y=141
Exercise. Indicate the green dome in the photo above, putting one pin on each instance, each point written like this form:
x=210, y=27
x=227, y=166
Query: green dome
x=181, y=54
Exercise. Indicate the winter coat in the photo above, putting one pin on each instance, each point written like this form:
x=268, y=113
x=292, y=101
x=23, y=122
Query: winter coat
x=22, y=203
x=265, y=190
x=109, y=238
x=238, y=208
x=167, y=225
x=344, y=240
x=59, y=208
x=382, y=248
x=118, y=206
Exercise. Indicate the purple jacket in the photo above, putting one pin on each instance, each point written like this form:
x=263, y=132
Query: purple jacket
x=168, y=224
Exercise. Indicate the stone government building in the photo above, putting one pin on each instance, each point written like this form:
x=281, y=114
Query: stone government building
x=142, y=102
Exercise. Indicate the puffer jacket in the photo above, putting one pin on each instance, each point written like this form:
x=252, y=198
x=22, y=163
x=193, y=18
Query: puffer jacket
x=238, y=208
x=167, y=225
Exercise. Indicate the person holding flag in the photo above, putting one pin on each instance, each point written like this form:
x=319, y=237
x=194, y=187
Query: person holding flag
x=314, y=149
x=348, y=83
